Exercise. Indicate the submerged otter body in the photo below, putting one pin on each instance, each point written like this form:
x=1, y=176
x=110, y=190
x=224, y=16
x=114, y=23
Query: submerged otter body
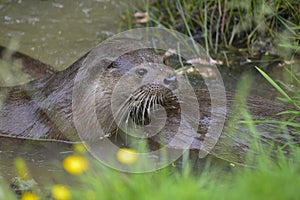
x=42, y=109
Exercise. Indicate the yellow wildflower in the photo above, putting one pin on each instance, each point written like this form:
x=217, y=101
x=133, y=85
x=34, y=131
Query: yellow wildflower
x=61, y=192
x=127, y=156
x=75, y=164
x=80, y=148
x=29, y=196
x=22, y=168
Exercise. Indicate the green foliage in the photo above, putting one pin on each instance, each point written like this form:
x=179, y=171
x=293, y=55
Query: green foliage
x=274, y=84
x=5, y=192
x=294, y=111
x=243, y=24
x=269, y=180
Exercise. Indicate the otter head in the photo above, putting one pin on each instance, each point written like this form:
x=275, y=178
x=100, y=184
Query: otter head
x=143, y=88
x=135, y=89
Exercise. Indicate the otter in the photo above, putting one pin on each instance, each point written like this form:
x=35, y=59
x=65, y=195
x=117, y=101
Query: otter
x=42, y=109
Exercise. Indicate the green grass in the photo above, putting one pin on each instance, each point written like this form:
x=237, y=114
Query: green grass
x=246, y=25
x=269, y=180
x=279, y=181
x=5, y=192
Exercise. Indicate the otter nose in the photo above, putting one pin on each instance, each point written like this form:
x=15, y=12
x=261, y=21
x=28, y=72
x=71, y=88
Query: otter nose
x=171, y=81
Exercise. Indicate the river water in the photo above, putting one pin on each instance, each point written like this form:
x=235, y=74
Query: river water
x=56, y=33
x=59, y=32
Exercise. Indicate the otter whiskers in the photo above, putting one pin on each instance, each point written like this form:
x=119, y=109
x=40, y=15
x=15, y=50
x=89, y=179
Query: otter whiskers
x=140, y=106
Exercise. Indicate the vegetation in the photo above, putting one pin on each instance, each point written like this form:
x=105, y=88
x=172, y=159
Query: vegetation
x=269, y=180
x=252, y=26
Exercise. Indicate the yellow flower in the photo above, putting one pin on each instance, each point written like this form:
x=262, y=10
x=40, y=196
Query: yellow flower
x=61, y=192
x=75, y=164
x=80, y=148
x=127, y=156
x=29, y=196
x=22, y=168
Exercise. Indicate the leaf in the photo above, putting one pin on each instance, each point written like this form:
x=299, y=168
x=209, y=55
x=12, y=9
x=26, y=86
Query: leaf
x=273, y=83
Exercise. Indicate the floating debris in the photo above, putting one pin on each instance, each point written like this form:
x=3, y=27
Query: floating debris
x=127, y=156
x=202, y=61
x=141, y=17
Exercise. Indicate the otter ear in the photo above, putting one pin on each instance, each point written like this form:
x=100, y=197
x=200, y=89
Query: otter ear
x=174, y=61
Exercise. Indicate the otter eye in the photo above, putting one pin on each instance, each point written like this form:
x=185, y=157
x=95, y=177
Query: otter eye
x=141, y=72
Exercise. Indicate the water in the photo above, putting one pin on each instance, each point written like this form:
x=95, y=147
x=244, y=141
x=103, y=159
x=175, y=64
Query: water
x=56, y=33
x=43, y=159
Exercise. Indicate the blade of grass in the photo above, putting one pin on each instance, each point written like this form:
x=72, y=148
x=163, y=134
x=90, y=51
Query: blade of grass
x=294, y=124
x=273, y=83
